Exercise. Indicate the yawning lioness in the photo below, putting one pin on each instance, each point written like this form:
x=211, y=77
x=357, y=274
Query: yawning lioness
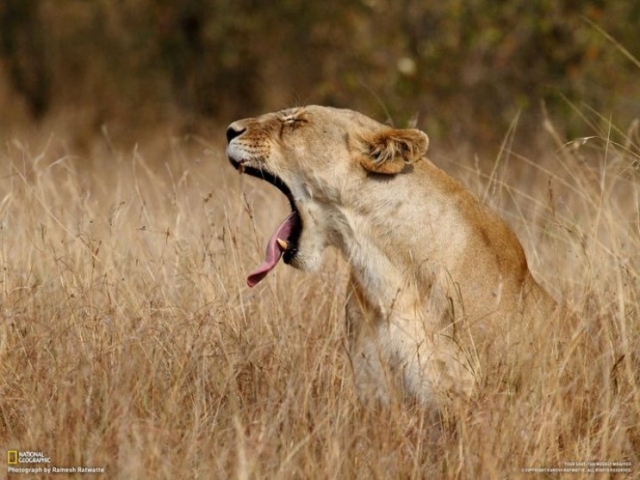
x=439, y=289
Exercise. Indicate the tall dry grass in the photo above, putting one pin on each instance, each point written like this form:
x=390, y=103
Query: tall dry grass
x=128, y=339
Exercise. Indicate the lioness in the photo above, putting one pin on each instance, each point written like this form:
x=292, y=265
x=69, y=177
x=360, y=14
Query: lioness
x=439, y=283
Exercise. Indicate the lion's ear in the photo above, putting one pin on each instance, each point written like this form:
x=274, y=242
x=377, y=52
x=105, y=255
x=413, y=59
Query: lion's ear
x=390, y=150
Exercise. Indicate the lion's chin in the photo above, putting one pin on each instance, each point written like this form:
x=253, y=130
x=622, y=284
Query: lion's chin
x=308, y=254
x=304, y=263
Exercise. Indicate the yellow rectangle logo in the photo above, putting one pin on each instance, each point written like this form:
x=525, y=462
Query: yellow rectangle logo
x=12, y=457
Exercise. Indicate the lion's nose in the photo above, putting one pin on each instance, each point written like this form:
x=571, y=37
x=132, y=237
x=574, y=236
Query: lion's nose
x=234, y=130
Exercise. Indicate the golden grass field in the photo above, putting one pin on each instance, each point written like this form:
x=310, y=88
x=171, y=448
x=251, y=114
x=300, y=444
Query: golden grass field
x=129, y=340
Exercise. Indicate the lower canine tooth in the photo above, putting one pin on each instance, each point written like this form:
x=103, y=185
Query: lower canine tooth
x=284, y=245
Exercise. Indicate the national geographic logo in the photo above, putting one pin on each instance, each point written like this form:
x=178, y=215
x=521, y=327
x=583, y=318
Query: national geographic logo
x=17, y=457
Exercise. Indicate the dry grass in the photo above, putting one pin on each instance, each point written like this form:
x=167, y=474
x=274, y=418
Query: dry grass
x=129, y=340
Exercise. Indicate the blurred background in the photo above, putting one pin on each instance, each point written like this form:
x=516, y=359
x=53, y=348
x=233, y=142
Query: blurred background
x=459, y=69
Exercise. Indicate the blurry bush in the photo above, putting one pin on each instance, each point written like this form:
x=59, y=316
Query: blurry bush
x=22, y=47
x=463, y=68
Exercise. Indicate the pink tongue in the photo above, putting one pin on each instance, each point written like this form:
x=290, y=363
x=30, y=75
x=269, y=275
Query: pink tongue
x=274, y=251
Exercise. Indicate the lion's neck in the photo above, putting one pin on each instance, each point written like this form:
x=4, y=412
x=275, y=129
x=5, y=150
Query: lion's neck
x=378, y=256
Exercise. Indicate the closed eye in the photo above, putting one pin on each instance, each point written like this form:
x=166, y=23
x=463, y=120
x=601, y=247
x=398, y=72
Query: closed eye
x=291, y=122
x=294, y=121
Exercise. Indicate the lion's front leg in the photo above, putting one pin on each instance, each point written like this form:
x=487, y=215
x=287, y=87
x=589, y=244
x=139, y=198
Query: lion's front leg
x=414, y=354
x=373, y=378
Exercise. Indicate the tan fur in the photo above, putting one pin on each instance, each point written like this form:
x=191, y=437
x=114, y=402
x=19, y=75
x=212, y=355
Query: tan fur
x=439, y=292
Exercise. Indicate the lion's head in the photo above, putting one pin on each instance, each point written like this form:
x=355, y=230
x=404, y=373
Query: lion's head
x=313, y=155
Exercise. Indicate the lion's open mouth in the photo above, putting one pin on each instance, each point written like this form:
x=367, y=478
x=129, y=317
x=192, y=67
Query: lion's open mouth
x=283, y=243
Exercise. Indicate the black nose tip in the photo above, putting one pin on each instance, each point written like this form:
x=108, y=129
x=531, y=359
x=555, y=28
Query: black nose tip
x=234, y=131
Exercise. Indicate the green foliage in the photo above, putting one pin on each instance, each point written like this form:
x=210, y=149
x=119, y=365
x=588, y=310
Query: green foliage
x=462, y=68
